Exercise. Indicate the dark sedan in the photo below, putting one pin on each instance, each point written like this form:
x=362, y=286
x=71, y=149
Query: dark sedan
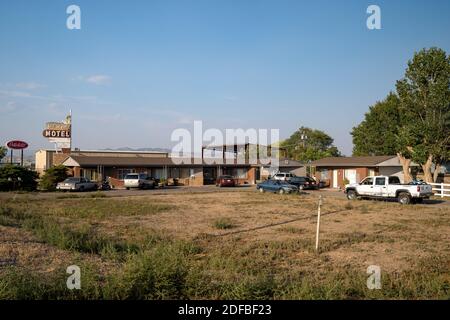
x=225, y=181
x=304, y=183
x=278, y=186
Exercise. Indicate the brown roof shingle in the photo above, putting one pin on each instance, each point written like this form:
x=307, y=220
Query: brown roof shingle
x=365, y=161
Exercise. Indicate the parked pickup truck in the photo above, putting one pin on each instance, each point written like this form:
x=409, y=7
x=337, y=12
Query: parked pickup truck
x=388, y=187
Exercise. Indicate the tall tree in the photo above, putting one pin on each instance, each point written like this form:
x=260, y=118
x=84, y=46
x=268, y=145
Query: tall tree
x=424, y=92
x=3, y=152
x=308, y=144
x=376, y=135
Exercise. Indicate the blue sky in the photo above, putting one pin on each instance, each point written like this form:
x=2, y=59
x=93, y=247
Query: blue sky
x=139, y=69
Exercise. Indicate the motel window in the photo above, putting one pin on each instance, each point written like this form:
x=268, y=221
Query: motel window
x=324, y=174
x=121, y=173
x=175, y=173
x=240, y=173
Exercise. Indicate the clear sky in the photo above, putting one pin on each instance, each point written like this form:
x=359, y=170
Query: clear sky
x=139, y=69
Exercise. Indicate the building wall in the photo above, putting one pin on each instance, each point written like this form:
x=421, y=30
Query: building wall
x=43, y=161
x=326, y=174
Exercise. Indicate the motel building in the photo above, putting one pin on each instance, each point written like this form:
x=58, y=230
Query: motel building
x=98, y=165
x=336, y=171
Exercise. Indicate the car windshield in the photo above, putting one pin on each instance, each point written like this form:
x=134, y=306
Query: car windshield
x=132, y=176
x=72, y=180
x=226, y=177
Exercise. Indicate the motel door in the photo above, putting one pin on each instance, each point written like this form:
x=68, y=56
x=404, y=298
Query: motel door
x=350, y=174
x=335, y=178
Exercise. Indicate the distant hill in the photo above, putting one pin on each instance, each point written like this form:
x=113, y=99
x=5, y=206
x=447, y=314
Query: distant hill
x=138, y=149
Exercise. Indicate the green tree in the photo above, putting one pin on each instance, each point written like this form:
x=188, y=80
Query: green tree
x=52, y=176
x=3, y=152
x=424, y=126
x=13, y=177
x=308, y=144
x=377, y=134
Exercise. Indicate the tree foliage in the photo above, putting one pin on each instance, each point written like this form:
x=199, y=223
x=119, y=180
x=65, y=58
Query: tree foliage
x=3, y=152
x=415, y=122
x=424, y=92
x=377, y=134
x=52, y=176
x=13, y=177
x=317, y=145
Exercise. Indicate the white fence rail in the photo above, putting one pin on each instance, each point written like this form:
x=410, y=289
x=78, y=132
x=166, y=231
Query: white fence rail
x=441, y=189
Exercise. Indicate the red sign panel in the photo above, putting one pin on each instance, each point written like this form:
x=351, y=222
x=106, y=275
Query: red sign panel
x=17, y=144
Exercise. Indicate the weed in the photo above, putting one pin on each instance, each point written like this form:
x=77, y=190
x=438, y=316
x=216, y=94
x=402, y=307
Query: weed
x=223, y=223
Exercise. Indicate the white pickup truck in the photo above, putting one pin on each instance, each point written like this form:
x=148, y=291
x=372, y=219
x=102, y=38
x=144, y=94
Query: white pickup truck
x=388, y=187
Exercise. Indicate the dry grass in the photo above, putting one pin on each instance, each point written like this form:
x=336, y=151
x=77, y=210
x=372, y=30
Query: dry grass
x=222, y=245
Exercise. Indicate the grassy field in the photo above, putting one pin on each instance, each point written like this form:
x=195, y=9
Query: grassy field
x=221, y=245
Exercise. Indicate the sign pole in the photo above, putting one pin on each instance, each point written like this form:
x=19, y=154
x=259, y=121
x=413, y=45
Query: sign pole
x=11, y=156
x=21, y=157
x=318, y=224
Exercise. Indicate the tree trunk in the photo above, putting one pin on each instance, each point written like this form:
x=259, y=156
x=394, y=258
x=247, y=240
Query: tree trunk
x=426, y=167
x=437, y=168
x=405, y=164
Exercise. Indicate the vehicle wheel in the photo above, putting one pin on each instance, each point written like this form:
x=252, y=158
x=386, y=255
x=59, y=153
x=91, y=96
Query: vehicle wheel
x=404, y=198
x=351, y=195
x=281, y=191
x=261, y=190
x=127, y=188
x=81, y=189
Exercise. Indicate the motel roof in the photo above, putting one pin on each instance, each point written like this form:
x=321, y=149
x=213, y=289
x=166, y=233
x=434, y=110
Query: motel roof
x=364, y=161
x=136, y=161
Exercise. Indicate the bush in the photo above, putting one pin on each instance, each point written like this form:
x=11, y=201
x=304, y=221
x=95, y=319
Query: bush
x=223, y=223
x=14, y=177
x=158, y=273
x=52, y=176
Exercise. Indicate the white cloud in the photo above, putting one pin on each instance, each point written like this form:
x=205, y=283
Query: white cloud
x=30, y=85
x=98, y=79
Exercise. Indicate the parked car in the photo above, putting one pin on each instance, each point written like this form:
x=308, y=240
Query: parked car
x=76, y=184
x=388, y=187
x=138, y=180
x=304, y=183
x=225, y=181
x=278, y=186
x=283, y=176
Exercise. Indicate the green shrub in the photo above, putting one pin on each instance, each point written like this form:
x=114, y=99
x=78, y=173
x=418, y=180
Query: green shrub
x=223, y=223
x=14, y=177
x=52, y=176
x=157, y=273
